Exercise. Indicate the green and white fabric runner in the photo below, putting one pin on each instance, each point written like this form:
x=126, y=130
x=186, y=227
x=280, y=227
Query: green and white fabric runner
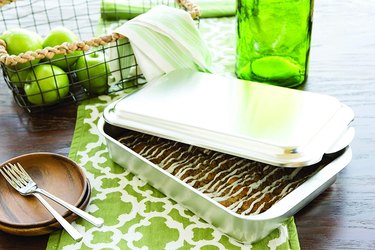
x=137, y=216
x=128, y=9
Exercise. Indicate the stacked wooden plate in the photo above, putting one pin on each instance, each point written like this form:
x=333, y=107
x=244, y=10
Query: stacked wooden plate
x=25, y=215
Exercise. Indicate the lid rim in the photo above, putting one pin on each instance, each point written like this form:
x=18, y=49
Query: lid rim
x=324, y=135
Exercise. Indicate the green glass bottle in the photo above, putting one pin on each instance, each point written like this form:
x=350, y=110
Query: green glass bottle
x=273, y=40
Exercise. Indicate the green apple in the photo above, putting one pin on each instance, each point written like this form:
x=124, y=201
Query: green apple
x=18, y=77
x=48, y=84
x=20, y=41
x=58, y=36
x=92, y=72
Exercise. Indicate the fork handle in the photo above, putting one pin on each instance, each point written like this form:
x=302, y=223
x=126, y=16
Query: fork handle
x=93, y=220
x=65, y=224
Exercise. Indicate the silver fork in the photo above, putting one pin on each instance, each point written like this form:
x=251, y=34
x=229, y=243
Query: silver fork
x=22, y=182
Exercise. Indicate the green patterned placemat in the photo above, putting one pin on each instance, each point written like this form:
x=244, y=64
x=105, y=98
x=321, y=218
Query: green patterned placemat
x=137, y=216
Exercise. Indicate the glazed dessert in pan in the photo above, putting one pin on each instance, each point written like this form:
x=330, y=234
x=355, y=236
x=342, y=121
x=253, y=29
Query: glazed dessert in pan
x=244, y=186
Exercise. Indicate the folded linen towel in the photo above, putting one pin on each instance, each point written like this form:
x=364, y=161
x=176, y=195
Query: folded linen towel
x=128, y=9
x=165, y=39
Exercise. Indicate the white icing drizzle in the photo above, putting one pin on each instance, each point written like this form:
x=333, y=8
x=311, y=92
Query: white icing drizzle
x=240, y=184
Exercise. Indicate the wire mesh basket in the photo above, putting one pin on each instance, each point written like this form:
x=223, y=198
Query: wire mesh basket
x=91, y=61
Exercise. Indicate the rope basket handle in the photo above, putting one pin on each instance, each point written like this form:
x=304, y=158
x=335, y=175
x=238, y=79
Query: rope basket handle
x=67, y=48
x=5, y=2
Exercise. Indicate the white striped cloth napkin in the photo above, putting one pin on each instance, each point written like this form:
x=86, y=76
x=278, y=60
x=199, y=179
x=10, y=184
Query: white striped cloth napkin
x=165, y=39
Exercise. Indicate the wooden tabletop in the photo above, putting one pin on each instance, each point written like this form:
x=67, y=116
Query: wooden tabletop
x=342, y=64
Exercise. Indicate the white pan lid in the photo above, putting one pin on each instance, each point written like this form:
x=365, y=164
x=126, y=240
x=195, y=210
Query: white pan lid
x=266, y=123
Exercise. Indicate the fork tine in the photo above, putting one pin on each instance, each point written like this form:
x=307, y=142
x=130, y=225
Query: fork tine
x=14, y=175
x=4, y=174
x=22, y=171
x=8, y=177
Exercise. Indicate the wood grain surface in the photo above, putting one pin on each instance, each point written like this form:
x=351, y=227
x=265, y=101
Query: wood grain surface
x=342, y=64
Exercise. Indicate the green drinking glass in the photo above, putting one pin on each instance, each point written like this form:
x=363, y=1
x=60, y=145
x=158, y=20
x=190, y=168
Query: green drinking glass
x=273, y=41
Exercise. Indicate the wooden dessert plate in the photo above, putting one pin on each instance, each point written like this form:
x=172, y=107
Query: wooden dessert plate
x=47, y=228
x=55, y=173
